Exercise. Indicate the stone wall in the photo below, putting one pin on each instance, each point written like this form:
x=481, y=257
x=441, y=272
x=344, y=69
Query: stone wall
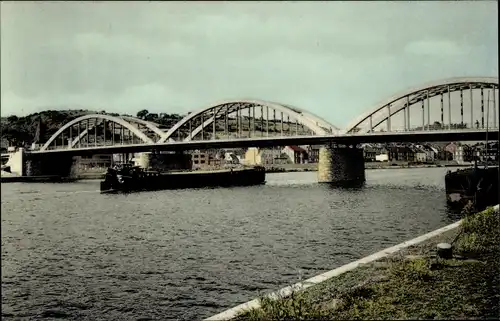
x=49, y=164
x=341, y=165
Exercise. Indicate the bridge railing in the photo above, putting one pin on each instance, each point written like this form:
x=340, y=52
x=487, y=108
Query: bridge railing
x=465, y=127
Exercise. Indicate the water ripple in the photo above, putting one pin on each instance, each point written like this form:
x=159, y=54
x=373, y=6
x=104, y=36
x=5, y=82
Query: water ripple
x=71, y=253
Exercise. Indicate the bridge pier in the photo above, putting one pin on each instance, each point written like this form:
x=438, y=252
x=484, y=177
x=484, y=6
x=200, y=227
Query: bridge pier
x=16, y=162
x=341, y=165
x=47, y=164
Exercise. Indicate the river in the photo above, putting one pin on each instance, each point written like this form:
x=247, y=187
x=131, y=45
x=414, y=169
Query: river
x=70, y=252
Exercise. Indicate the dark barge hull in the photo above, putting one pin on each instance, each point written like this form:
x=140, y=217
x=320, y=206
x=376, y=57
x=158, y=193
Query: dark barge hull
x=151, y=181
x=478, y=185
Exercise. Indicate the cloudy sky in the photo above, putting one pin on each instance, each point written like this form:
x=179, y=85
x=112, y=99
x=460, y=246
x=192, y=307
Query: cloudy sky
x=336, y=59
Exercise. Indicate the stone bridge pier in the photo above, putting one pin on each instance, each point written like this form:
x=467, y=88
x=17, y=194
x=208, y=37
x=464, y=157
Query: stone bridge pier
x=341, y=165
x=27, y=164
x=49, y=164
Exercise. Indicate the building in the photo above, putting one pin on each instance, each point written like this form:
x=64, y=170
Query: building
x=313, y=153
x=264, y=156
x=401, y=153
x=369, y=153
x=205, y=159
x=419, y=154
x=430, y=153
x=296, y=154
x=462, y=153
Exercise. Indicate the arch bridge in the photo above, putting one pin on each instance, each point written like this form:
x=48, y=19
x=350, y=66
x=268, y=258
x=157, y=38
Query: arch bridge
x=456, y=103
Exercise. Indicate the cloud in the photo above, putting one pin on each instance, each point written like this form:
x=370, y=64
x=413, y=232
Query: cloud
x=334, y=58
x=439, y=48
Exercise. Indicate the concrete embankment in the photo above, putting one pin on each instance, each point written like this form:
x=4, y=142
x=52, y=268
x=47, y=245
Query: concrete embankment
x=361, y=280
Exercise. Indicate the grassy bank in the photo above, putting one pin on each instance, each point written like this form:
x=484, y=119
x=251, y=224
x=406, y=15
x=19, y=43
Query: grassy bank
x=414, y=284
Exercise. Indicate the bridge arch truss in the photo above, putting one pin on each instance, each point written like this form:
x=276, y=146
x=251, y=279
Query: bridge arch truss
x=247, y=118
x=464, y=103
x=101, y=130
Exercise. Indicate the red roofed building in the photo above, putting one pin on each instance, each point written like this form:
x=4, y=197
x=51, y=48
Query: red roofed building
x=297, y=154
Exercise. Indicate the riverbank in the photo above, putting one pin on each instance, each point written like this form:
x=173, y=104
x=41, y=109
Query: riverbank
x=99, y=173
x=313, y=167
x=409, y=284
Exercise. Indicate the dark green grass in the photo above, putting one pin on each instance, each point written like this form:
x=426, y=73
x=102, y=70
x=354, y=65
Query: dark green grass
x=419, y=286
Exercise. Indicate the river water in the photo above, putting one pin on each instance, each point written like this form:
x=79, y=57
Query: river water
x=69, y=252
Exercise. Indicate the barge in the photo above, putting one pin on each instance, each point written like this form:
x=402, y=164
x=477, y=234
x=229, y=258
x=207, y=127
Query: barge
x=128, y=178
x=474, y=184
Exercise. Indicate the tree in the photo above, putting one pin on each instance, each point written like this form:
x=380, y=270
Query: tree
x=151, y=117
x=142, y=114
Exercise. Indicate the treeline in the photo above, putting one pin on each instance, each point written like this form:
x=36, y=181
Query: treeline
x=39, y=127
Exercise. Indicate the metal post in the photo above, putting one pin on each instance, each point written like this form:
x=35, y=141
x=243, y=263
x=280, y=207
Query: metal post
x=461, y=106
x=112, y=136
x=281, y=123
x=87, y=134
x=190, y=130
x=288, y=124
x=482, y=108
x=405, y=121
x=249, y=122
x=62, y=138
x=274, y=121
x=253, y=120
x=104, y=131
x=213, y=125
x=79, y=143
x=494, y=109
x=423, y=115
x=226, y=126
x=202, y=128
x=449, y=107
x=71, y=136
x=408, y=111
x=471, y=108
x=122, y=133
x=442, y=110
x=388, y=118
x=267, y=121
x=261, y=121
x=95, y=133
x=371, y=124
x=296, y=127
x=428, y=112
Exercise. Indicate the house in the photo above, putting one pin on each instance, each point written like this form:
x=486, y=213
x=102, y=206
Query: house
x=369, y=153
x=462, y=153
x=401, y=153
x=232, y=158
x=296, y=154
x=486, y=154
x=420, y=154
x=313, y=153
x=382, y=154
x=265, y=156
x=430, y=153
x=205, y=159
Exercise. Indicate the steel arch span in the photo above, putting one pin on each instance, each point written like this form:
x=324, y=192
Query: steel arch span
x=403, y=101
x=125, y=122
x=209, y=115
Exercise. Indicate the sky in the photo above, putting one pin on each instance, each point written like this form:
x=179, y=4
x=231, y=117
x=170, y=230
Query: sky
x=335, y=59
